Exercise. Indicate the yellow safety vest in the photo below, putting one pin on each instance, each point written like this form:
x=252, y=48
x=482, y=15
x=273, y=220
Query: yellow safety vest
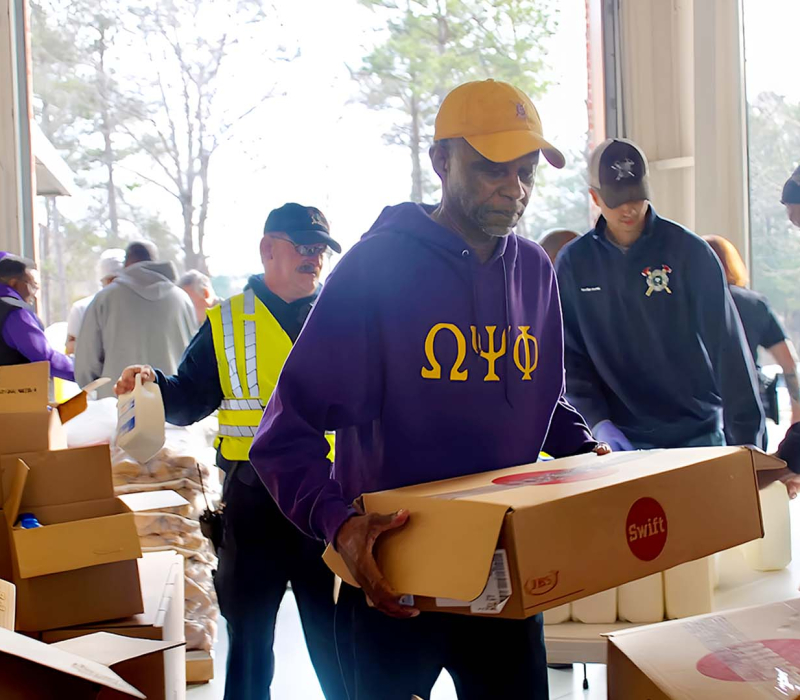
x=251, y=348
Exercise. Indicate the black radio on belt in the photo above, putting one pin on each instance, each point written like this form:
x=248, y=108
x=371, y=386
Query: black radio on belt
x=212, y=523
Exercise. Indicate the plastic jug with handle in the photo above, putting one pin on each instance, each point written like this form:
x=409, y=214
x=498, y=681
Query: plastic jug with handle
x=140, y=420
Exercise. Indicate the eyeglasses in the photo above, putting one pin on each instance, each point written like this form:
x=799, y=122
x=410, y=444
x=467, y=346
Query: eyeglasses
x=313, y=250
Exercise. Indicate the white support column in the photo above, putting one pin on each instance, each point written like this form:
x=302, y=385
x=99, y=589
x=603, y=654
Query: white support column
x=16, y=162
x=721, y=167
x=684, y=104
x=657, y=55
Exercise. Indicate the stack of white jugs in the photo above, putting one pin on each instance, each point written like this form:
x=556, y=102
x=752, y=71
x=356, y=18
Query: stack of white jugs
x=688, y=589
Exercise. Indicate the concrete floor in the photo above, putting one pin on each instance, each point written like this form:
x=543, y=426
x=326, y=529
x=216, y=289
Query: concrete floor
x=295, y=679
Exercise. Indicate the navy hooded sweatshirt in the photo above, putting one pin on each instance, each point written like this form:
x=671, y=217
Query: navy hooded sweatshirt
x=653, y=341
x=408, y=356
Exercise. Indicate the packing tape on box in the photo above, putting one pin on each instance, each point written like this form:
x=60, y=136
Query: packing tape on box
x=735, y=657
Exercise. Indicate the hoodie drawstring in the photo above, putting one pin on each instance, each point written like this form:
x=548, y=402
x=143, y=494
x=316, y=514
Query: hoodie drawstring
x=507, y=329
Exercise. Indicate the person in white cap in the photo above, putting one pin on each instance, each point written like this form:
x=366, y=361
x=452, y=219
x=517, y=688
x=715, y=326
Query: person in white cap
x=108, y=267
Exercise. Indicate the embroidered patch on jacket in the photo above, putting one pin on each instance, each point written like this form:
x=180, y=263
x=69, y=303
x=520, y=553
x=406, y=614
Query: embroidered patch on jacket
x=657, y=280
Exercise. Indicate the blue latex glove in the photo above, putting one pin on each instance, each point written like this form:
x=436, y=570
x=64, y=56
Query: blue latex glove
x=606, y=431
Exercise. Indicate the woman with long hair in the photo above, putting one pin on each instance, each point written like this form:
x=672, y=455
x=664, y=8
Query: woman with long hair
x=760, y=324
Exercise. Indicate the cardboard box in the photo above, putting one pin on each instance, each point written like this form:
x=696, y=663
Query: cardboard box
x=80, y=566
x=199, y=666
x=745, y=653
x=162, y=581
x=515, y=542
x=28, y=421
x=78, y=669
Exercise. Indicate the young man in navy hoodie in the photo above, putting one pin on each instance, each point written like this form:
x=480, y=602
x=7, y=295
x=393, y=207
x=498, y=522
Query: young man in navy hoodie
x=442, y=356
x=654, y=349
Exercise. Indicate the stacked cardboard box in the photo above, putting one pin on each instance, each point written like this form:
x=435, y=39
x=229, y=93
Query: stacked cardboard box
x=161, y=576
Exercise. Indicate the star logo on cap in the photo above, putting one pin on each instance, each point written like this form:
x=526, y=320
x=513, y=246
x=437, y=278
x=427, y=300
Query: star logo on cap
x=624, y=169
x=521, y=113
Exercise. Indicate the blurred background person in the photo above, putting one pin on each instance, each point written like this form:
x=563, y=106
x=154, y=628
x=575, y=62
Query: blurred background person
x=144, y=317
x=553, y=241
x=22, y=337
x=201, y=292
x=108, y=267
x=790, y=197
x=762, y=329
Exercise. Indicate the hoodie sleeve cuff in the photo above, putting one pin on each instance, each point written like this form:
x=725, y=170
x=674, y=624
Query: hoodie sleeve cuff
x=332, y=519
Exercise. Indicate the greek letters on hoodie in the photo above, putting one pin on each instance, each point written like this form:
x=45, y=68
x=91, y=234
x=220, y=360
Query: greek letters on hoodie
x=426, y=363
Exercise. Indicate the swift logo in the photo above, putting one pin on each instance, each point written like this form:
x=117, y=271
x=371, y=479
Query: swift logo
x=646, y=529
x=543, y=584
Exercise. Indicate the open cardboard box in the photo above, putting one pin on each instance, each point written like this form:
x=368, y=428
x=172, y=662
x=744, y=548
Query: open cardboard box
x=517, y=541
x=79, y=669
x=162, y=580
x=80, y=566
x=28, y=421
x=732, y=655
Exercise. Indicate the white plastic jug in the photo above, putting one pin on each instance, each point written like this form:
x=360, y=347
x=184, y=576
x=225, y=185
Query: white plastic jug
x=555, y=616
x=597, y=608
x=140, y=421
x=774, y=550
x=643, y=600
x=689, y=589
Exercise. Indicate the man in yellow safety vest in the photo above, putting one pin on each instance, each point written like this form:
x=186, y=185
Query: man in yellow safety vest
x=232, y=365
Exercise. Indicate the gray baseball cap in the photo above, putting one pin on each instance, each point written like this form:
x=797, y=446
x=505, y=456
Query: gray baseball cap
x=618, y=171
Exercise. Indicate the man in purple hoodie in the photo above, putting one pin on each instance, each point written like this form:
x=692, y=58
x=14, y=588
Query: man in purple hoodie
x=435, y=350
x=22, y=336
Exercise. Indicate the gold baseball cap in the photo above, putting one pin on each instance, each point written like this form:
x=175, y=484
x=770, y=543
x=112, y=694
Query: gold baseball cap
x=497, y=120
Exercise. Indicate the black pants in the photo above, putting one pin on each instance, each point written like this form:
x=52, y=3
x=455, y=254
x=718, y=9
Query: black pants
x=261, y=552
x=388, y=659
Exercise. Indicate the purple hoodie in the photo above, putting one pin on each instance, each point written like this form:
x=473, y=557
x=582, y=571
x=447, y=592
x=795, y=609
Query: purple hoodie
x=406, y=355
x=22, y=332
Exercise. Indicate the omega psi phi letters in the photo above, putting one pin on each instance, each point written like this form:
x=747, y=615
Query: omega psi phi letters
x=524, y=351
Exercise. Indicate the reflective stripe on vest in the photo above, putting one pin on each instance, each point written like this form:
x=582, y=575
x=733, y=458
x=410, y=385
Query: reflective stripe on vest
x=251, y=348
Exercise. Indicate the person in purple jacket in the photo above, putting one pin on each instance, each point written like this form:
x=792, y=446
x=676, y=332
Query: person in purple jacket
x=435, y=350
x=22, y=336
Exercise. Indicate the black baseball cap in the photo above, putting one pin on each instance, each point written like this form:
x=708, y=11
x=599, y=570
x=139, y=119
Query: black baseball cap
x=618, y=171
x=303, y=225
x=791, y=190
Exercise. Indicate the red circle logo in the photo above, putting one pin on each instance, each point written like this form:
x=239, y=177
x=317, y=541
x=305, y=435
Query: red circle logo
x=646, y=529
x=554, y=476
x=751, y=659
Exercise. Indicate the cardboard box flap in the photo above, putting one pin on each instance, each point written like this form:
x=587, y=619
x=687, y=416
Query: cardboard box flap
x=51, y=656
x=64, y=476
x=109, y=649
x=445, y=549
x=515, y=487
x=24, y=388
x=763, y=461
x=78, y=403
x=152, y=500
x=19, y=475
x=78, y=544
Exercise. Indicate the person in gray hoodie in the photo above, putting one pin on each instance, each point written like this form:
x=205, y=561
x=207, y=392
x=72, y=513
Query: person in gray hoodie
x=142, y=317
